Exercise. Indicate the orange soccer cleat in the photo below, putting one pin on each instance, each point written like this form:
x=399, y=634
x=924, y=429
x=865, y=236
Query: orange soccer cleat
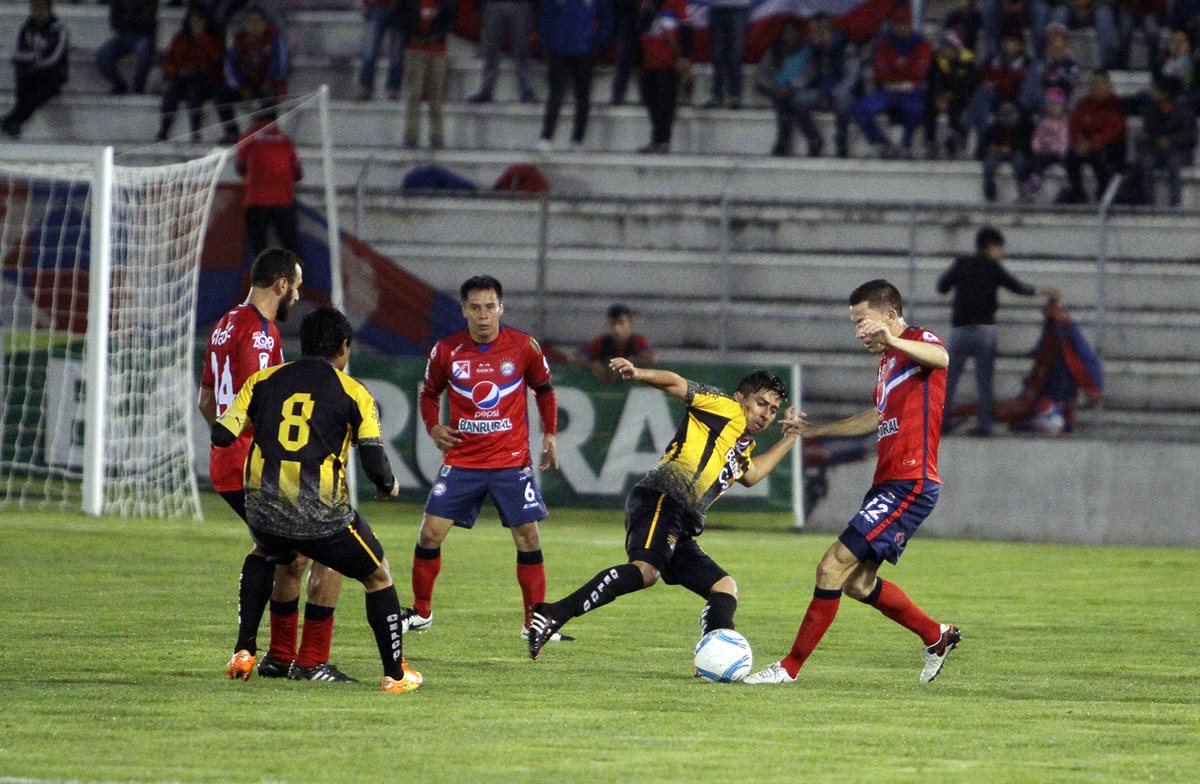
x=241, y=666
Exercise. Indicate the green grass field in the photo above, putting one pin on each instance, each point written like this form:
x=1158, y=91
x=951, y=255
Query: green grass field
x=1079, y=664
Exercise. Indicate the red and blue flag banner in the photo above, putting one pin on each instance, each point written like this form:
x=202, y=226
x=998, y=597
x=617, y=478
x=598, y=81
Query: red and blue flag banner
x=393, y=312
x=857, y=19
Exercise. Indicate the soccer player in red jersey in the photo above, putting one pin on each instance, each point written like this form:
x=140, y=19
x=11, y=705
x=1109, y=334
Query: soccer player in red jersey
x=488, y=369
x=910, y=391
x=243, y=342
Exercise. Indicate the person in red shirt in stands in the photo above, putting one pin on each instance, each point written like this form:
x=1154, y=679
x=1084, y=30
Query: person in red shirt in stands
x=1000, y=79
x=902, y=61
x=256, y=68
x=1097, y=130
x=192, y=67
x=666, y=37
x=266, y=159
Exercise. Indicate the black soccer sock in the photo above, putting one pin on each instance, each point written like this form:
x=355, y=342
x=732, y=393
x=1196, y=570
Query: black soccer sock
x=254, y=591
x=383, y=614
x=599, y=591
x=718, y=613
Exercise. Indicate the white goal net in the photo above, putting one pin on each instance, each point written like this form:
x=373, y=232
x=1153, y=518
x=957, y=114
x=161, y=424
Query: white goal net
x=98, y=272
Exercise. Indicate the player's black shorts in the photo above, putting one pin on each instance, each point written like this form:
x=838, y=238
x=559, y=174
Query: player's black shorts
x=353, y=550
x=656, y=532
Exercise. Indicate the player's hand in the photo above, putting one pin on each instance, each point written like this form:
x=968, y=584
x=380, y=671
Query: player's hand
x=873, y=334
x=795, y=423
x=623, y=368
x=445, y=437
x=384, y=495
x=549, y=453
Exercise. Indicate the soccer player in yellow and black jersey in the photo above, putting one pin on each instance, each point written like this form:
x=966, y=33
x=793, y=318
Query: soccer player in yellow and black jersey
x=305, y=415
x=665, y=511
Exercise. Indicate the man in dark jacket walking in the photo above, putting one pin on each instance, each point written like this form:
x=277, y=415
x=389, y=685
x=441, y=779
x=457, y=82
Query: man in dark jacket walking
x=134, y=24
x=975, y=280
x=573, y=33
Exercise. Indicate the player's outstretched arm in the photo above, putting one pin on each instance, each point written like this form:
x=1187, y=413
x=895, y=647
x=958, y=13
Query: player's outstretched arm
x=764, y=464
x=866, y=421
x=673, y=384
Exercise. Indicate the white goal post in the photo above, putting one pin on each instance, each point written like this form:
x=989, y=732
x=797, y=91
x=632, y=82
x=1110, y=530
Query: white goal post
x=99, y=269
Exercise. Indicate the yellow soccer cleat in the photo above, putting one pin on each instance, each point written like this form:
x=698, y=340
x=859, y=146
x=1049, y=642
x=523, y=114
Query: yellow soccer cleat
x=411, y=681
x=241, y=666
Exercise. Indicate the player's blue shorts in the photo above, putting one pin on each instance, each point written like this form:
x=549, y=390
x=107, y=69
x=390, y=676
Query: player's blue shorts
x=890, y=515
x=458, y=494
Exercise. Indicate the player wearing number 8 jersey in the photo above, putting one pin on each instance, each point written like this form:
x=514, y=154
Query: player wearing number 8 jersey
x=910, y=391
x=306, y=414
x=243, y=342
x=488, y=370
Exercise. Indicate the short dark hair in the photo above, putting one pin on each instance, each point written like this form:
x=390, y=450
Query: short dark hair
x=323, y=331
x=986, y=237
x=480, y=283
x=1170, y=86
x=271, y=265
x=762, y=381
x=616, y=310
x=880, y=295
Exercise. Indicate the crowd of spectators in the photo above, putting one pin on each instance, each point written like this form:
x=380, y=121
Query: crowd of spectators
x=992, y=79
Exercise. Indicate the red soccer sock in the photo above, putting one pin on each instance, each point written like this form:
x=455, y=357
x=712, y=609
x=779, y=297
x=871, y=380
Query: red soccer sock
x=316, y=635
x=531, y=575
x=426, y=565
x=895, y=604
x=821, y=612
x=285, y=617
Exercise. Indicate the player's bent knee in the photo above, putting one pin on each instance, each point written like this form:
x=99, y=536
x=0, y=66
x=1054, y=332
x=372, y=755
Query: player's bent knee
x=649, y=573
x=725, y=585
x=378, y=580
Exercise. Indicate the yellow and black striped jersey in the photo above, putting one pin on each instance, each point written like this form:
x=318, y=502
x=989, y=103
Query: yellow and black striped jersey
x=305, y=416
x=709, y=452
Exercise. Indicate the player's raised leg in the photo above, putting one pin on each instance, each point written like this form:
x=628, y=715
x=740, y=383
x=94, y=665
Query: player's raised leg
x=608, y=584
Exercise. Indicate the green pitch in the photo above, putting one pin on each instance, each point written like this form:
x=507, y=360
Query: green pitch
x=1079, y=664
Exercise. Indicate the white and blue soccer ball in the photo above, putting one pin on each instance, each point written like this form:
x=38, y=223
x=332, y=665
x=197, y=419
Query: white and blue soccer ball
x=723, y=656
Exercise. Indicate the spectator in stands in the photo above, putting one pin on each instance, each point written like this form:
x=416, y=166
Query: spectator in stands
x=573, y=33
x=901, y=63
x=1006, y=140
x=619, y=341
x=1097, y=127
x=267, y=161
x=1185, y=15
x=223, y=11
x=949, y=86
x=382, y=21
x=805, y=72
x=666, y=39
x=1051, y=140
x=1000, y=80
x=975, y=281
x=256, y=69
x=134, y=24
x=501, y=19
x=629, y=46
x=1115, y=22
x=1178, y=63
x=192, y=68
x=1045, y=17
x=965, y=20
x=1168, y=139
x=727, y=49
x=1058, y=68
x=426, y=23
x=39, y=65
x=1000, y=18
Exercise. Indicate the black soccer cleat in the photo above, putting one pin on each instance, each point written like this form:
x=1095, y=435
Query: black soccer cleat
x=542, y=628
x=270, y=667
x=322, y=673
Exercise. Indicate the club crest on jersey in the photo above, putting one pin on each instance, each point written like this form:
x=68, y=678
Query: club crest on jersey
x=525, y=473
x=438, y=489
x=485, y=395
x=460, y=368
x=899, y=538
x=508, y=367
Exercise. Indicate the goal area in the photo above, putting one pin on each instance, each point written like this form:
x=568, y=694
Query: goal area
x=99, y=267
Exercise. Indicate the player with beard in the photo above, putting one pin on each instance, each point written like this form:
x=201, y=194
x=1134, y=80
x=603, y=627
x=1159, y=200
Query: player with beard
x=243, y=342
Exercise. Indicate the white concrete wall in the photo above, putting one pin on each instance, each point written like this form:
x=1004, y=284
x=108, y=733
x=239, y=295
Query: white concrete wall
x=1047, y=490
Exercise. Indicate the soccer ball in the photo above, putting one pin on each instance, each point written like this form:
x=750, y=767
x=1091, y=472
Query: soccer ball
x=723, y=656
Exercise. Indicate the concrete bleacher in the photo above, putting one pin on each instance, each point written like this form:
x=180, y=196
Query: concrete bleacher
x=647, y=229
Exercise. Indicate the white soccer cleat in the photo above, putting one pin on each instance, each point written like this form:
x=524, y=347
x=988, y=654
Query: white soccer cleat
x=412, y=621
x=935, y=655
x=772, y=673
